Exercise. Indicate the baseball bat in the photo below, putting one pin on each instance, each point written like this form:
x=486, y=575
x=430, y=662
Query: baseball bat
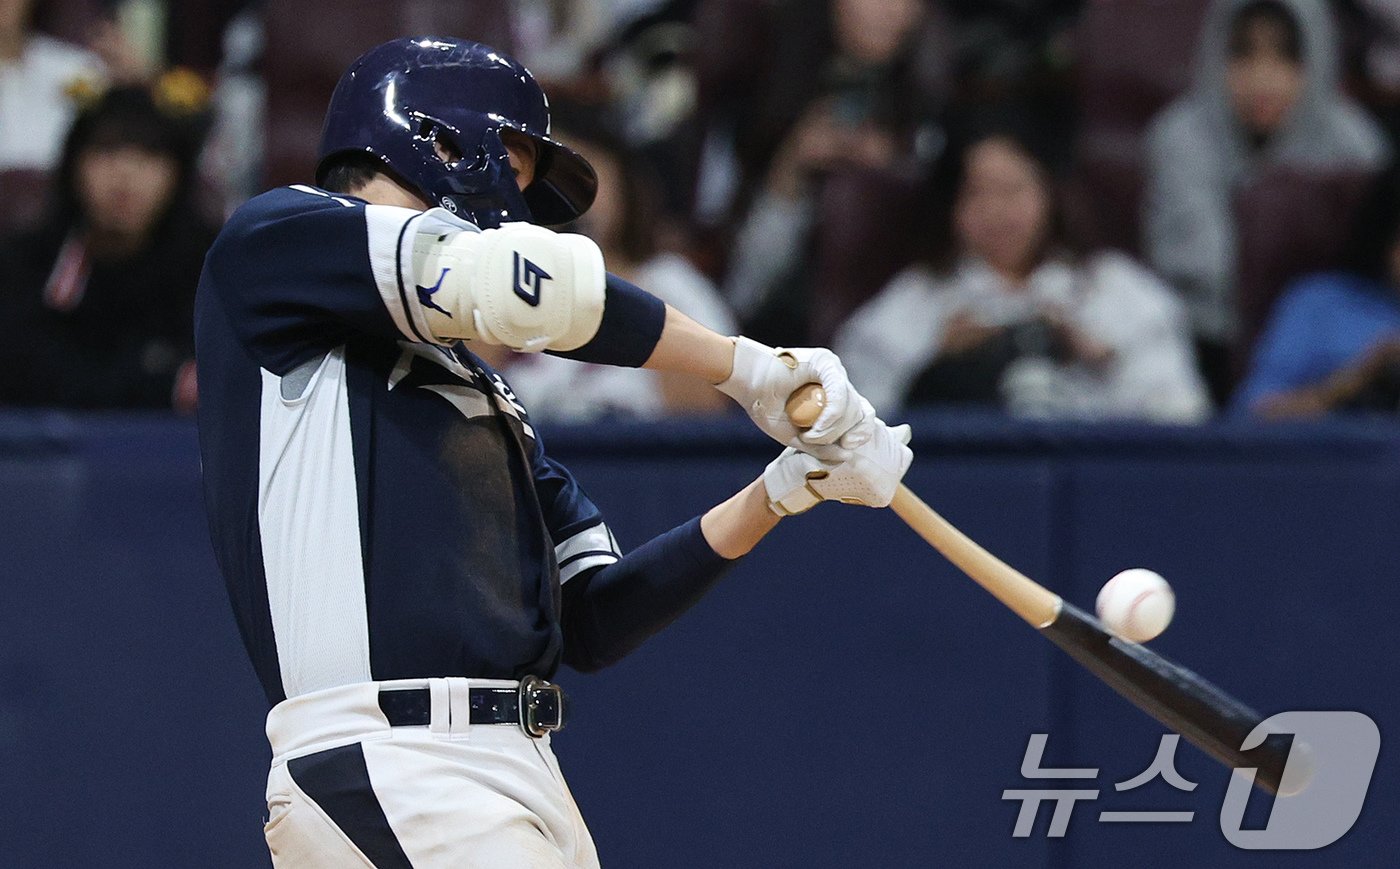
x=1181, y=700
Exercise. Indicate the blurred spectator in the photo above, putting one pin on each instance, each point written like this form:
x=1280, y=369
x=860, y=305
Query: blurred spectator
x=556, y=39
x=1022, y=51
x=867, y=102
x=128, y=47
x=861, y=67
x=647, y=73
x=96, y=304
x=39, y=78
x=1266, y=94
x=1383, y=53
x=1375, y=27
x=1333, y=342
x=559, y=40
x=1006, y=315
x=232, y=164
x=624, y=222
x=197, y=34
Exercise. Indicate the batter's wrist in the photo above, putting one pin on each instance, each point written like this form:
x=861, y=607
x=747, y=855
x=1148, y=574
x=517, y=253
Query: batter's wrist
x=726, y=357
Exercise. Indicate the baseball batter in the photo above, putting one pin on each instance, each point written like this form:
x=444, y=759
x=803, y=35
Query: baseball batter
x=406, y=563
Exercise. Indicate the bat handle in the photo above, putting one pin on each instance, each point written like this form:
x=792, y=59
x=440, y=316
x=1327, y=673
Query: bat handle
x=806, y=404
x=1028, y=599
x=1024, y=596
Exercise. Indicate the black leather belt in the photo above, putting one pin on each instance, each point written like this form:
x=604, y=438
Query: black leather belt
x=537, y=706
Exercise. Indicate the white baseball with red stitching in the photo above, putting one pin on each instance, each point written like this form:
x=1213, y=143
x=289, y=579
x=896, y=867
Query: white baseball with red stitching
x=1137, y=604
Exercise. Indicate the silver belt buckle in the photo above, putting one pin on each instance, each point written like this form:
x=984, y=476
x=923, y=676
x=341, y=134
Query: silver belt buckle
x=541, y=706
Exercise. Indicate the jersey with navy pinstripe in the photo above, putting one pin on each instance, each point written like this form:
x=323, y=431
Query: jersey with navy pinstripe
x=381, y=506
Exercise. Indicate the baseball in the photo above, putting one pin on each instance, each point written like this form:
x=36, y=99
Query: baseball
x=1136, y=604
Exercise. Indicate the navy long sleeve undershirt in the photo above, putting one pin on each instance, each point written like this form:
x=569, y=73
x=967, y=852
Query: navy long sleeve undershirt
x=611, y=611
x=631, y=327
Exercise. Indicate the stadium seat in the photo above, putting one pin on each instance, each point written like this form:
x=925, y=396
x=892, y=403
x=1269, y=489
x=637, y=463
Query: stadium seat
x=1103, y=201
x=23, y=196
x=71, y=19
x=1290, y=223
x=1133, y=59
x=869, y=225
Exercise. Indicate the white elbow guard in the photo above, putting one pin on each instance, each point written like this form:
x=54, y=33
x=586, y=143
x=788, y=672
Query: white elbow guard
x=521, y=286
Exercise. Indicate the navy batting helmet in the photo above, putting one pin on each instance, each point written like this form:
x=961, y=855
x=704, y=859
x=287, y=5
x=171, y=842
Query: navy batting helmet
x=400, y=98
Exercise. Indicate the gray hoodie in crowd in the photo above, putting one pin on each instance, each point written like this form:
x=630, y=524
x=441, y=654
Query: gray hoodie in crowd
x=1198, y=155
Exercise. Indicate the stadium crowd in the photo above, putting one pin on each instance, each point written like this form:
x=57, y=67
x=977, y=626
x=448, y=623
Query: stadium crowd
x=1162, y=210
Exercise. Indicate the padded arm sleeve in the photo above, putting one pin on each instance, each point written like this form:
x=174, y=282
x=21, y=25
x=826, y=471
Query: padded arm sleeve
x=521, y=286
x=610, y=611
x=614, y=602
x=631, y=328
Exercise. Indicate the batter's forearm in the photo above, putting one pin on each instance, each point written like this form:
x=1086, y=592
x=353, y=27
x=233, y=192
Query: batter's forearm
x=734, y=527
x=686, y=347
x=613, y=610
x=641, y=331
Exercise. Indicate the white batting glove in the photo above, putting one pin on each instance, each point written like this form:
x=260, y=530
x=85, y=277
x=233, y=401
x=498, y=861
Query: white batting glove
x=764, y=378
x=797, y=481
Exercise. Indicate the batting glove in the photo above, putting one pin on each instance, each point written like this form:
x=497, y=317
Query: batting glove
x=764, y=378
x=798, y=481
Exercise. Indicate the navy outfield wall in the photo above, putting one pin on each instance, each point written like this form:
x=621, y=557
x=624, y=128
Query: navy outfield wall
x=844, y=698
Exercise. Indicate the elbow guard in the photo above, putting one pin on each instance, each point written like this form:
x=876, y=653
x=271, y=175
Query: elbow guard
x=521, y=286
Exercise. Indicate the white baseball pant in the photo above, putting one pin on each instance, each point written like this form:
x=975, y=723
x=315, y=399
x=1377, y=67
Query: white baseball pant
x=346, y=789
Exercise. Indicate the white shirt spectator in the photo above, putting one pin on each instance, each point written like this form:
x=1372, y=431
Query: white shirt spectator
x=36, y=107
x=1111, y=299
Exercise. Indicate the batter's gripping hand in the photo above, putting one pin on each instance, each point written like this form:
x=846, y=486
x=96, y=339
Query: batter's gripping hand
x=763, y=378
x=879, y=457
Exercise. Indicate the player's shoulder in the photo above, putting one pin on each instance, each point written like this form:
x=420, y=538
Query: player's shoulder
x=293, y=199
x=278, y=211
